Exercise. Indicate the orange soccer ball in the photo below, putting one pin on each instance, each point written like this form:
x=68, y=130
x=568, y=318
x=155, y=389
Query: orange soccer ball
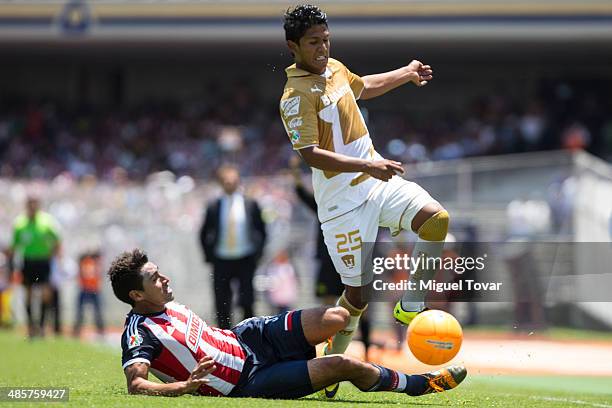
x=434, y=337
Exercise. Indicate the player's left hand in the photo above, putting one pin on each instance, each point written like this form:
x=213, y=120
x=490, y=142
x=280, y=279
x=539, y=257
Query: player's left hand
x=421, y=74
x=205, y=366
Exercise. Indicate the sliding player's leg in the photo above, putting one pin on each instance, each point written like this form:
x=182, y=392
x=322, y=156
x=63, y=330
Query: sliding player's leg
x=283, y=344
x=291, y=335
x=368, y=377
x=321, y=323
x=298, y=378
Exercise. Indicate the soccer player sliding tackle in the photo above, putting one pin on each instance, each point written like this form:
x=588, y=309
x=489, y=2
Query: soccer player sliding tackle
x=268, y=357
x=356, y=189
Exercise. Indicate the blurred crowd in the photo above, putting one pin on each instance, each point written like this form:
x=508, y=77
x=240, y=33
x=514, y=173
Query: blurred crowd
x=42, y=139
x=560, y=115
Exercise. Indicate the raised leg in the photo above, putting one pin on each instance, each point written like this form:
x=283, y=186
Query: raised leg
x=431, y=223
x=321, y=323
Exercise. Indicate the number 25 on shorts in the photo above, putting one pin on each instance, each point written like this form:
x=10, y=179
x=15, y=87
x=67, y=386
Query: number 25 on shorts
x=348, y=242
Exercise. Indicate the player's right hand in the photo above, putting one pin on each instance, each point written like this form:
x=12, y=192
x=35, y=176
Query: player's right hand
x=384, y=169
x=198, y=376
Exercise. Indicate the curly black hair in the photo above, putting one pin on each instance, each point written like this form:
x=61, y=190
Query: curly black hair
x=124, y=274
x=300, y=18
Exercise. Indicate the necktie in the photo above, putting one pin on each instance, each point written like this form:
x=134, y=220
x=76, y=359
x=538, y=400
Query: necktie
x=231, y=225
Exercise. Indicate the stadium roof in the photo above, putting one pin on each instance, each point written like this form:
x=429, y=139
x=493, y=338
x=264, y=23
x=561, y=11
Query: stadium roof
x=214, y=21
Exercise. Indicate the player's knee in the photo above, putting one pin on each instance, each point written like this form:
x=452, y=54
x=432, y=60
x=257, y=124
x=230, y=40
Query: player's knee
x=435, y=227
x=343, y=316
x=341, y=363
x=337, y=317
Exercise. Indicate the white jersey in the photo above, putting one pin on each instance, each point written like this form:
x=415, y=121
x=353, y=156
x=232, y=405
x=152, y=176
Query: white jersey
x=321, y=110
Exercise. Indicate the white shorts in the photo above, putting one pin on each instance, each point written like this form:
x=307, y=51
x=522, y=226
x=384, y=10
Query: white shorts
x=392, y=204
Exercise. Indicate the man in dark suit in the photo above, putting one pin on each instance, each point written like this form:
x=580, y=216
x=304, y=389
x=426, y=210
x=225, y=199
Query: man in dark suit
x=233, y=237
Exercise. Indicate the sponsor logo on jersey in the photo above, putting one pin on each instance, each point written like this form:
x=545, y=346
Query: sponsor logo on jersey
x=335, y=96
x=195, y=326
x=291, y=106
x=135, y=340
x=349, y=261
x=295, y=122
x=316, y=88
x=294, y=135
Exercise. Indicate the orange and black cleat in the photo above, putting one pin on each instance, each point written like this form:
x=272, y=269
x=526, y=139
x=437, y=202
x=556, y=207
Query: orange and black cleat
x=443, y=380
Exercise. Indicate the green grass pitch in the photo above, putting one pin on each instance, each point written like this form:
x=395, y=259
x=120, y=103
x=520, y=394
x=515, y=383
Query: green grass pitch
x=93, y=375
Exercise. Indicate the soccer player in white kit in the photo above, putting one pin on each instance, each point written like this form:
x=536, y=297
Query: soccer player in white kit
x=356, y=189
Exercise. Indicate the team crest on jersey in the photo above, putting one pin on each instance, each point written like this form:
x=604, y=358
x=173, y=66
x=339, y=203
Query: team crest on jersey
x=135, y=340
x=349, y=261
x=294, y=135
x=291, y=106
x=295, y=122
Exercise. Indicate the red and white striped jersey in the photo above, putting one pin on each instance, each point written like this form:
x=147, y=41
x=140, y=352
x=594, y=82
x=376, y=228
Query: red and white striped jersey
x=173, y=341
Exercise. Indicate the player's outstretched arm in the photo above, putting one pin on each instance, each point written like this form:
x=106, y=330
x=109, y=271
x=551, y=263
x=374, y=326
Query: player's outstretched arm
x=137, y=375
x=330, y=161
x=379, y=84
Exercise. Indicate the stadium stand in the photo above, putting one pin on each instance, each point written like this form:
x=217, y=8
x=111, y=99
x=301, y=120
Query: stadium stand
x=43, y=139
x=119, y=111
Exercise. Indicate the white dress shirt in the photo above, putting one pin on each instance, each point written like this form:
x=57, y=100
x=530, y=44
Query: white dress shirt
x=234, y=241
